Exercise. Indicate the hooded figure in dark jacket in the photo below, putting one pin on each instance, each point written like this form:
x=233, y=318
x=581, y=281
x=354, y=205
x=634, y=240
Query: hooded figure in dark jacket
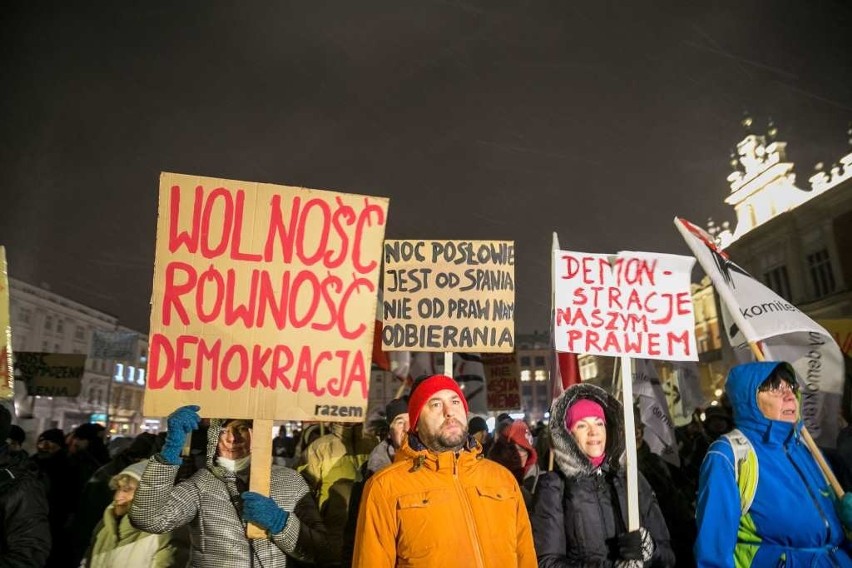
x=24, y=530
x=579, y=516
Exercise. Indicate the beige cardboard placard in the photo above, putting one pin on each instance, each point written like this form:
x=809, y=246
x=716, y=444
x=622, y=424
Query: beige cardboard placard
x=51, y=374
x=456, y=296
x=264, y=300
x=503, y=380
x=7, y=377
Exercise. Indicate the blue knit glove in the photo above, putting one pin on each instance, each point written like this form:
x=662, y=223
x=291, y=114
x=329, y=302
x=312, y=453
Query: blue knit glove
x=181, y=422
x=263, y=512
x=844, y=510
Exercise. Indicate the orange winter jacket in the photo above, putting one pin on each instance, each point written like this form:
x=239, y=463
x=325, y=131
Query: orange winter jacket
x=443, y=510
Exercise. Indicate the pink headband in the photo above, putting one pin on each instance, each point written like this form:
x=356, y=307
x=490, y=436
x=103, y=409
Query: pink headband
x=583, y=408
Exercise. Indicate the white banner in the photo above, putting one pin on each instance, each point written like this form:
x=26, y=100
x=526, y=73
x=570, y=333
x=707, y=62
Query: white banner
x=752, y=312
x=659, y=431
x=636, y=303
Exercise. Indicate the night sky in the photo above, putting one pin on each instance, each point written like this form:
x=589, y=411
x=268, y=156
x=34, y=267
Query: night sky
x=480, y=119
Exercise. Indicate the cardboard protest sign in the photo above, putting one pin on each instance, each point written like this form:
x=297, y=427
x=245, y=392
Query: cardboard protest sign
x=113, y=344
x=636, y=303
x=51, y=374
x=456, y=296
x=264, y=300
x=7, y=377
x=503, y=377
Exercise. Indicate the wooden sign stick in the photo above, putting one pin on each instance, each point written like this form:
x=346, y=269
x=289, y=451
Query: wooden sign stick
x=261, y=467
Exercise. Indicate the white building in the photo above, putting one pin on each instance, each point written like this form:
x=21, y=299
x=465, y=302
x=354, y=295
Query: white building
x=111, y=391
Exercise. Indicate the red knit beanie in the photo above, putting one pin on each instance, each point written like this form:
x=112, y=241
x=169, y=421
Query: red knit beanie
x=583, y=408
x=424, y=390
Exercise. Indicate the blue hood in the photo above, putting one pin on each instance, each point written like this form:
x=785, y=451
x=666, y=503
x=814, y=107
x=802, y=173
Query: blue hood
x=741, y=387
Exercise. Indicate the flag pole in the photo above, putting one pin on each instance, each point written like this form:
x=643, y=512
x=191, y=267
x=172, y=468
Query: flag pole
x=807, y=438
x=630, y=443
x=554, y=371
x=726, y=295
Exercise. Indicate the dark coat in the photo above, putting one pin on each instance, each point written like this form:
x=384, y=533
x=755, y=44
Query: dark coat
x=579, y=510
x=24, y=529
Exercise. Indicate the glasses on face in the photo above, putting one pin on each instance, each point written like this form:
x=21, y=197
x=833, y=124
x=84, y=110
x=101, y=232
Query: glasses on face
x=781, y=389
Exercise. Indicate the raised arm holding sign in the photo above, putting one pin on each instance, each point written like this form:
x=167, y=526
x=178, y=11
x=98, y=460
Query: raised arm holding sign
x=630, y=305
x=263, y=309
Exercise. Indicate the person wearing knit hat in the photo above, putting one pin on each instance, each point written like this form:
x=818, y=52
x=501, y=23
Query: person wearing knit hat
x=116, y=542
x=514, y=450
x=439, y=500
x=24, y=528
x=588, y=489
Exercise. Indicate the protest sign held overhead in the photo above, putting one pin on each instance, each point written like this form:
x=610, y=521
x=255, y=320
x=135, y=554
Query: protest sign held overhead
x=51, y=374
x=264, y=300
x=635, y=304
x=113, y=344
x=752, y=313
x=456, y=296
x=502, y=375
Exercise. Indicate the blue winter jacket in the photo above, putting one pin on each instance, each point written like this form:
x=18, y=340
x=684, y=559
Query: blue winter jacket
x=792, y=520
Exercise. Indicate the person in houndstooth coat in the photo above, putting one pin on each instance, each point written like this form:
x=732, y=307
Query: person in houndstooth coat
x=217, y=506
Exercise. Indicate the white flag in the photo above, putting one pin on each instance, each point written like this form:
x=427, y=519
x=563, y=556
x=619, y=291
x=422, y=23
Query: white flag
x=689, y=387
x=654, y=411
x=753, y=312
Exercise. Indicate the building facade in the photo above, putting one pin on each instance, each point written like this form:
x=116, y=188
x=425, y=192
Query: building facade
x=796, y=240
x=111, y=392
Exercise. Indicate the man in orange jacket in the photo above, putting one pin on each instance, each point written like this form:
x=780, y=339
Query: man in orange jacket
x=440, y=503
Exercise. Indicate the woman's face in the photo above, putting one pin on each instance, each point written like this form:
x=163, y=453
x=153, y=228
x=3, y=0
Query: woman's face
x=590, y=434
x=779, y=402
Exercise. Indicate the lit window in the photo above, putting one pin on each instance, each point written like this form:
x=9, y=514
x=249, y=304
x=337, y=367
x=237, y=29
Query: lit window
x=540, y=375
x=588, y=368
x=141, y=377
x=131, y=371
x=525, y=375
x=119, y=373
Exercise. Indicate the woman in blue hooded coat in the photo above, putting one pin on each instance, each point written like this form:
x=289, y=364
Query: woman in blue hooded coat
x=792, y=520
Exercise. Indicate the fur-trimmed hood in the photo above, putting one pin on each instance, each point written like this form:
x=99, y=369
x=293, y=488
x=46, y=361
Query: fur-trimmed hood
x=568, y=456
x=216, y=427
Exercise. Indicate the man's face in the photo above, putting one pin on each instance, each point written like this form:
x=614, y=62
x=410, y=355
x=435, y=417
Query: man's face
x=590, y=434
x=442, y=425
x=779, y=403
x=46, y=447
x=123, y=496
x=398, y=428
x=235, y=440
x=13, y=445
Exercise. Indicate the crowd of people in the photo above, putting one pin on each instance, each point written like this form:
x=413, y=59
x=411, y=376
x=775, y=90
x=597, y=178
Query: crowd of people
x=429, y=485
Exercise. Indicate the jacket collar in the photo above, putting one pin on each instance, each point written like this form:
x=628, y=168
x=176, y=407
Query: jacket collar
x=413, y=449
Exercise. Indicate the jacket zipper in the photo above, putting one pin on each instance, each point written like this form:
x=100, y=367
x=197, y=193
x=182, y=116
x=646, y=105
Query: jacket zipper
x=813, y=498
x=468, y=513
